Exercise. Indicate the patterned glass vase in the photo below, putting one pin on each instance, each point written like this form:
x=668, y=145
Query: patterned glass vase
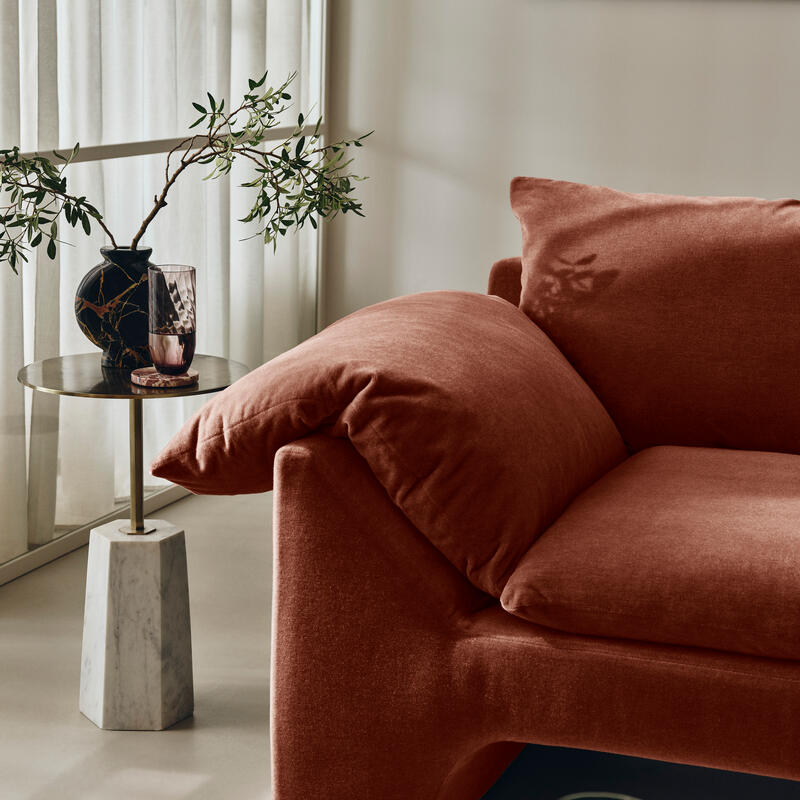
x=111, y=307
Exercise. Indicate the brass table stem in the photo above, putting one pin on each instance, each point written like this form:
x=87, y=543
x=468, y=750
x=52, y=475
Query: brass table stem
x=83, y=376
x=137, y=526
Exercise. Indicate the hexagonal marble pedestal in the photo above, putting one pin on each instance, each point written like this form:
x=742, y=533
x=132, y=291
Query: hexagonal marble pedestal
x=136, y=664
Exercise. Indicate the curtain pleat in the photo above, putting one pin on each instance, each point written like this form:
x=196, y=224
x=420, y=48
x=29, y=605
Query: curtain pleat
x=109, y=71
x=248, y=58
x=44, y=306
x=85, y=487
x=214, y=295
x=13, y=502
x=291, y=272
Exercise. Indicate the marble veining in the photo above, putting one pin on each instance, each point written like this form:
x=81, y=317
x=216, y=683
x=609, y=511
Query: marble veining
x=136, y=667
x=150, y=376
x=111, y=307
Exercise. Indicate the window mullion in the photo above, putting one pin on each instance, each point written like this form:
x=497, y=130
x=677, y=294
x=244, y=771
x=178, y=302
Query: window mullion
x=145, y=147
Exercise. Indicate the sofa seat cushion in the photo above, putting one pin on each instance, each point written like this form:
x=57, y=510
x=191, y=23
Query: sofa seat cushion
x=684, y=545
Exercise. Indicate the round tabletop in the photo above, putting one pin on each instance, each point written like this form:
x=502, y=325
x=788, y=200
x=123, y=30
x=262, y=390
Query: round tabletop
x=83, y=376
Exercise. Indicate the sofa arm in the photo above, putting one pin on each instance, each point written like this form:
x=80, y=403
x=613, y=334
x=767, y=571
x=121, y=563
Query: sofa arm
x=467, y=414
x=505, y=279
x=370, y=639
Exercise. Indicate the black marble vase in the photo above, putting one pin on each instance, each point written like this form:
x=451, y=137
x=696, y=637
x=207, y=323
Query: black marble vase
x=111, y=307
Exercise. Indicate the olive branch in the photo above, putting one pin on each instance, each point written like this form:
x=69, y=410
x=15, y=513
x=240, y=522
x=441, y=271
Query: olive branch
x=297, y=179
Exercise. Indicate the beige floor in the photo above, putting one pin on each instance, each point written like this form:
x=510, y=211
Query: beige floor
x=48, y=751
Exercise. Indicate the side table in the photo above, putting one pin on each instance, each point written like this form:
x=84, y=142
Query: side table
x=136, y=663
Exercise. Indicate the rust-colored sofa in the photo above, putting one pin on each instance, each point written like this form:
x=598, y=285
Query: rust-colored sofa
x=397, y=679
x=651, y=611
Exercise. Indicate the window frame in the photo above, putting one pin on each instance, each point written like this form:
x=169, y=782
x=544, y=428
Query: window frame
x=78, y=537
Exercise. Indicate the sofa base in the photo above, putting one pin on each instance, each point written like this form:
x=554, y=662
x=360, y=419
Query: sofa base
x=394, y=678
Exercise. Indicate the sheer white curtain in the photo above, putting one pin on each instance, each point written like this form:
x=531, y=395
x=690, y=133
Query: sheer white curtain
x=112, y=71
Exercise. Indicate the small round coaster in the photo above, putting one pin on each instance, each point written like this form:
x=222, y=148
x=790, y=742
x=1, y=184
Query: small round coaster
x=149, y=376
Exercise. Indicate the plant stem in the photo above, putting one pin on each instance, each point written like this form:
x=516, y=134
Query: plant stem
x=72, y=198
x=108, y=232
x=211, y=139
x=159, y=202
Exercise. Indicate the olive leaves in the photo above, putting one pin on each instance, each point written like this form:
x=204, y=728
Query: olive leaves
x=33, y=199
x=298, y=179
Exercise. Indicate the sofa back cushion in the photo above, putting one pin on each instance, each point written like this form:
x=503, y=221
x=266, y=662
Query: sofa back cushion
x=682, y=313
x=467, y=414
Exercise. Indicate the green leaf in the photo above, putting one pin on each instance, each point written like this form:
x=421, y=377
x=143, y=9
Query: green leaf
x=291, y=186
x=49, y=168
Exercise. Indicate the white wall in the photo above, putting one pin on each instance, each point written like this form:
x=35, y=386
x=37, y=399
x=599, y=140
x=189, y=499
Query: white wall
x=680, y=96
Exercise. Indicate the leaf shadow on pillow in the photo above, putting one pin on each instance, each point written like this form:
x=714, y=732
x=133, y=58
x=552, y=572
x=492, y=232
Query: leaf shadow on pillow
x=564, y=285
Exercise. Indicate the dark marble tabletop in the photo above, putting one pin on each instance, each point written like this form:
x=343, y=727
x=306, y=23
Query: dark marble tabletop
x=83, y=376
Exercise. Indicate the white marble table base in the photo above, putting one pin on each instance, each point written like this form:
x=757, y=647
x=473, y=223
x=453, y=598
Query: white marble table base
x=136, y=664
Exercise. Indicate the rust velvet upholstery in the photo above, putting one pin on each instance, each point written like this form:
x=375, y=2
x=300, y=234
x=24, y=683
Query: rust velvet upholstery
x=442, y=459
x=505, y=279
x=412, y=685
x=438, y=392
x=686, y=545
x=682, y=313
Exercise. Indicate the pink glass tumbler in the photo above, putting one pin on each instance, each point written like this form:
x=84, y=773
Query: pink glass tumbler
x=171, y=317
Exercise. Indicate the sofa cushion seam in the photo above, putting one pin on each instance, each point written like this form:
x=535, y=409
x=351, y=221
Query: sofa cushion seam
x=655, y=661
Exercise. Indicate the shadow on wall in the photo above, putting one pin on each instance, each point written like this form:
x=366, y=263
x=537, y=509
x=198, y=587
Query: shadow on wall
x=381, y=193
x=556, y=773
x=642, y=95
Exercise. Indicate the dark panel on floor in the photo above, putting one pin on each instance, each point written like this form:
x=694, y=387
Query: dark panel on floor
x=550, y=773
